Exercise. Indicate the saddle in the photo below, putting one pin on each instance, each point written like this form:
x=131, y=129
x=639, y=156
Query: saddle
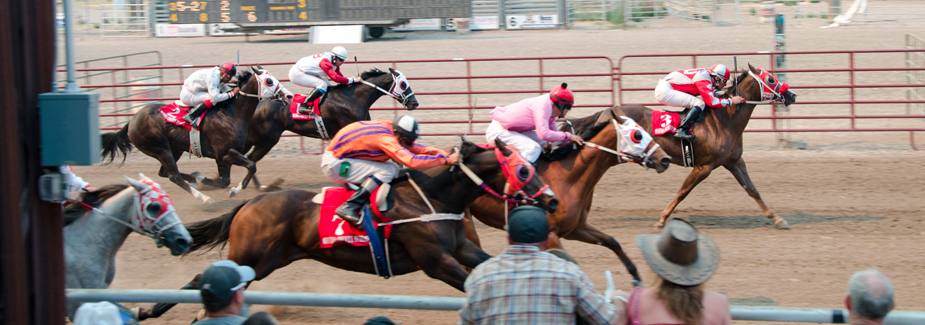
x=174, y=113
x=315, y=105
x=335, y=231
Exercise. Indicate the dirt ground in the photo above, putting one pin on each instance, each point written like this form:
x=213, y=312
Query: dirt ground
x=849, y=209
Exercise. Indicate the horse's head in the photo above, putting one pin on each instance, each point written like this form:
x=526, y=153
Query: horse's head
x=156, y=217
x=518, y=182
x=400, y=89
x=762, y=86
x=269, y=87
x=634, y=143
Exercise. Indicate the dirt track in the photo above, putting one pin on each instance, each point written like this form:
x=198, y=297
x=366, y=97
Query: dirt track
x=849, y=210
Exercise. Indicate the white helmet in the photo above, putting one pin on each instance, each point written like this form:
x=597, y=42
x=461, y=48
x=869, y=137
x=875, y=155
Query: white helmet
x=340, y=52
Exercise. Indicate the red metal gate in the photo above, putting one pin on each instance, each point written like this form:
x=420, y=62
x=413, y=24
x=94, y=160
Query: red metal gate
x=839, y=91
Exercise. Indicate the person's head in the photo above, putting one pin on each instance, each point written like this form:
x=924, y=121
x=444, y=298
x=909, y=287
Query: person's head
x=528, y=225
x=720, y=75
x=870, y=295
x=406, y=130
x=562, y=100
x=379, y=320
x=222, y=286
x=339, y=55
x=683, y=260
x=98, y=313
x=228, y=70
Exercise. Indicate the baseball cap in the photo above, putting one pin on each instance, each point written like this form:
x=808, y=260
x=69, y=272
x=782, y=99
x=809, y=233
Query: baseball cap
x=222, y=279
x=528, y=224
x=98, y=313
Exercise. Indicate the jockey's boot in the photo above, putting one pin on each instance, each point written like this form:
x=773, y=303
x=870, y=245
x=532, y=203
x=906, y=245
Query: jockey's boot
x=303, y=107
x=685, y=131
x=350, y=210
x=194, y=113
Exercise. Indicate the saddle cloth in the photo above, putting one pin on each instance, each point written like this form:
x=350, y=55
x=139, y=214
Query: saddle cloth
x=174, y=113
x=335, y=231
x=294, y=107
x=664, y=122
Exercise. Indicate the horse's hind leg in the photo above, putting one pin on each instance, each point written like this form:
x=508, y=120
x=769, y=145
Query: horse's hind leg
x=161, y=308
x=236, y=158
x=177, y=154
x=169, y=164
x=588, y=234
x=737, y=168
x=695, y=177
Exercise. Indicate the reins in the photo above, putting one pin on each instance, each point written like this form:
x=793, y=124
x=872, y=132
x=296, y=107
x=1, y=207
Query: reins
x=156, y=235
x=621, y=156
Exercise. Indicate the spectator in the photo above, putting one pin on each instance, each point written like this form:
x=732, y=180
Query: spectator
x=102, y=313
x=683, y=261
x=524, y=285
x=379, y=320
x=222, y=289
x=561, y=253
x=261, y=318
x=870, y=297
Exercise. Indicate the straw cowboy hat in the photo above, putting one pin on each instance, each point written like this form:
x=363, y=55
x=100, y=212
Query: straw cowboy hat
x=679, y=254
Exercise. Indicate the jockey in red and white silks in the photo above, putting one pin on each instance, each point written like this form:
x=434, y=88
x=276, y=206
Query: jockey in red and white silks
x=207, y=87
x=75, y=185
x=530, y=123
x=680, y=88
x=315, y=70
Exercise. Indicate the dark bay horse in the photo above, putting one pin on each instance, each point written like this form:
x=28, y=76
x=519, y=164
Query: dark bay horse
x=573, y=174
x=719, y=141
x=273, y=230
x=224, y=131
x=344, y=105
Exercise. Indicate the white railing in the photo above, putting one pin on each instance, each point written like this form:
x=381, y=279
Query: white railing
x=915, y=60
x=126, y=20
x=770, y=314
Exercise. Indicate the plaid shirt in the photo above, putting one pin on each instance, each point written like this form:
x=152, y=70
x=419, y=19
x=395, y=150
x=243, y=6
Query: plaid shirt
x=523, y=285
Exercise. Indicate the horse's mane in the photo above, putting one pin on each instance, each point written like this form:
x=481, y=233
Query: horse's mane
x=93, y=198
x=738, y=80
x=365, y=76
x=564, y=150
x=469, y=149
x=582, y=123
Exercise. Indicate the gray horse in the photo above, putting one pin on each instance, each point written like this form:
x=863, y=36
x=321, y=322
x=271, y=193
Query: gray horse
x=96, y=228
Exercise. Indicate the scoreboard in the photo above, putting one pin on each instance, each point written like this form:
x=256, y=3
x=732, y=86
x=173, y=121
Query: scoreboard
x=288, y=11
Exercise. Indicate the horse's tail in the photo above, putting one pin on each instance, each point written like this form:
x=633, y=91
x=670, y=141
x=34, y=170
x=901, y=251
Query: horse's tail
x=213, y=232
x=114, y=143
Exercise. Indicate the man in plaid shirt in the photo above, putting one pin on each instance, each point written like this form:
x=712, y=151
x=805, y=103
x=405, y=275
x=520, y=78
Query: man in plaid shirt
x=525, y=285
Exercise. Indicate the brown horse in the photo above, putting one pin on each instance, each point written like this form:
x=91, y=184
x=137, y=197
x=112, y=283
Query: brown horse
x=344, y=105
x=273, y=230
x=573, y=174
x=224, y=131
x=719, y=141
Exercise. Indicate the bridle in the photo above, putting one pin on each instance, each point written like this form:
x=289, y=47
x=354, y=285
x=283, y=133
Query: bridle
x=261, y=85
x=142, y=223
x=768, y=94
x=621, y=155
x=514, y=192
x=397, y=92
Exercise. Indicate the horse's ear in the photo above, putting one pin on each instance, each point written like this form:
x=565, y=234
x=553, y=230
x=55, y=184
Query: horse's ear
x=616, y=113
x=501, y=145
x=139, y=186
x=259, y=67
x=255, y=70
x=145, y=178
x=393, y=72
x=752, y=68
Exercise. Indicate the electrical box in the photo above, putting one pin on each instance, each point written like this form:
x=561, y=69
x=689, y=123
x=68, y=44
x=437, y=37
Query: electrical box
x=70, y=128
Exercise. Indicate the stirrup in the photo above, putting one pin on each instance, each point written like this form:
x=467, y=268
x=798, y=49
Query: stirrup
x=684, y=134
x=304, y=109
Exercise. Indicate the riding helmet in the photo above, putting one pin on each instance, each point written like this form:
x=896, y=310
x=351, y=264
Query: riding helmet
x=406, y=127
x=562, y=95
x=229, y=68
x=340, y=52
x=720, y=71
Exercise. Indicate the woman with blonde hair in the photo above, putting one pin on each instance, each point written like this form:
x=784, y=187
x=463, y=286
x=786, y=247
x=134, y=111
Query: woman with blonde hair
x=683, y=261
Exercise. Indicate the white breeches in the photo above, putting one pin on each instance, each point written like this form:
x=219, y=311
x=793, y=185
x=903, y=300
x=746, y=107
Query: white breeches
x=529, y=145
x=193, y=99
x=674, y=99
x=356, y=170
x=300, y=78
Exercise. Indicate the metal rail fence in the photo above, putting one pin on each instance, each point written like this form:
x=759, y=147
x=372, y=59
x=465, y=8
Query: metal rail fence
x=742, y=313
x=861, y=86
x=125, y=20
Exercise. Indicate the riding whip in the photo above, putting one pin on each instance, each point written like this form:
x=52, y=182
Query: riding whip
x=357, y=64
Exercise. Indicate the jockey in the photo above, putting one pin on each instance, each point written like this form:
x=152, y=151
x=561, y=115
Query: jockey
x=313, y=72
x=207, y=87
x=681, y=87
x=360, y=153
x=75, y=185
x=530, y=123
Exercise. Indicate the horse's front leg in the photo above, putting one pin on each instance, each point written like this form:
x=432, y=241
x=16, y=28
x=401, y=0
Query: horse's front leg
x=236, y=158
x=161, y=308
x=697, y=175
x=737, y=168
x=169, y=167
x=588, y=234
x=224, y=173
x=436, y=259
x=471, y=234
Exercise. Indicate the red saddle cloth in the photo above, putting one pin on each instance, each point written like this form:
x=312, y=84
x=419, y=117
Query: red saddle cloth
x=665, y=122
x=486, y=145
x=174, y=113
x=335, y=231
x=294, y=107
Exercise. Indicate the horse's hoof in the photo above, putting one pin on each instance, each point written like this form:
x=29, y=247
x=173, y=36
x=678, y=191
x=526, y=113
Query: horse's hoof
x=659, y=224
x=194, y=185
x=263, y=188
x=207, y=200
x=141, y=313
x=637, y=283
x=780, y=223
x=234, y=191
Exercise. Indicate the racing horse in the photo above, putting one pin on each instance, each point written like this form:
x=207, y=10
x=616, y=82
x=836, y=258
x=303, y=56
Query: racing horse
x=719, y=137
x=275, y=229
x=224, y=129
x=572, y=173
x=344, y=105
x=96, y=228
